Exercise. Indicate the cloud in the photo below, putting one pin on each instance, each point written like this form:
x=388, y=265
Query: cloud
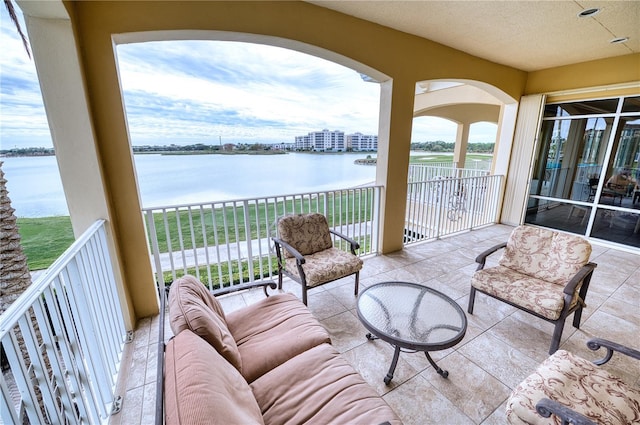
x=241, y=92
x=186, y=92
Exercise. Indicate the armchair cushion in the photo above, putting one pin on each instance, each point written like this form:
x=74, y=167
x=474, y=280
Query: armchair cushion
x=328, y=387
x=578, y=384
x=325, y=266
x=544, y=254
x=201, y=387
x=193, y=307
x=307, y=233
x=523, y=290
x=272, y=331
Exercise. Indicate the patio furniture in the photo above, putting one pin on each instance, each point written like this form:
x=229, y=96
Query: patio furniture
x=411, y=317
x=270, y=362
x=306, y=254
x=542, y=272
x=576, y=390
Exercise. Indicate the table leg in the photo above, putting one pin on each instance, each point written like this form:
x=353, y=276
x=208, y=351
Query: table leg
x=394, y=363
x=441, y=372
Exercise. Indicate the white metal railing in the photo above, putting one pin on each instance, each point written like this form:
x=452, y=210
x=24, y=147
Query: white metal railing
x=228, y=242
x=444, y=206
x=63, y=339
x=424, y=172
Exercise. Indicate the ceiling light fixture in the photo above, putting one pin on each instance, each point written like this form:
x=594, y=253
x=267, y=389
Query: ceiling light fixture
x=619, y=40
x=588, y=12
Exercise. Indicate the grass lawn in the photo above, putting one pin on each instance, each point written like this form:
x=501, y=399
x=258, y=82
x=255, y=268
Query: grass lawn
x=44, y=239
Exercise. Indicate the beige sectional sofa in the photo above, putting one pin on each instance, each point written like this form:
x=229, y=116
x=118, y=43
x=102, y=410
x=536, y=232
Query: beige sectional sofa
x=268, y=363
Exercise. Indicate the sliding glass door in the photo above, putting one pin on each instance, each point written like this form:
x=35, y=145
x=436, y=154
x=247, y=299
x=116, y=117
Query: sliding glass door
x=586, y=170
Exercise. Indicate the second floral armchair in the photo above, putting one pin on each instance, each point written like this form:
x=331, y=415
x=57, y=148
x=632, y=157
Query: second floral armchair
x=306, y=253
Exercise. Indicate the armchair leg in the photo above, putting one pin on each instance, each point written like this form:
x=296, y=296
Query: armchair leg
x=577, y=317
x=280, y=279
x=472, y=300
x=304, y=294
x=557, y=334
x=355, y=292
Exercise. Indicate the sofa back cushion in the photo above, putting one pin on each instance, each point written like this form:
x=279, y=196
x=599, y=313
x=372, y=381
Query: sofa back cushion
x=544, y=254
x=193, y=307
x=201, y=387
x=307, y=233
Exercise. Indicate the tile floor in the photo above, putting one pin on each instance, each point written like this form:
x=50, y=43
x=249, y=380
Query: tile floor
x=502, y=345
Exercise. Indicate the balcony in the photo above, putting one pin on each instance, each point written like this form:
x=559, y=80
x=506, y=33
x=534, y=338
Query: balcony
x=87, y=366
x=502, y=345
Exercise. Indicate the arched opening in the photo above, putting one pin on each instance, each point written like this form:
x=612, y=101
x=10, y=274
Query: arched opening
x=269, y=119
x=475, y=108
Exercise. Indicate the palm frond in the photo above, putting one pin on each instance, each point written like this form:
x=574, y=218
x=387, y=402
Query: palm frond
x=14, y=17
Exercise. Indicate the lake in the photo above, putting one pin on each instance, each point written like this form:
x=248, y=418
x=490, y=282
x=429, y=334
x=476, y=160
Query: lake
x=35, y=188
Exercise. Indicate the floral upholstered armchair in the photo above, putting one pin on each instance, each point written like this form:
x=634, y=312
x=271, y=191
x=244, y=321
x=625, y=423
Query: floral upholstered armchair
x=305, y=251
x=568, y=389
x=542, y=272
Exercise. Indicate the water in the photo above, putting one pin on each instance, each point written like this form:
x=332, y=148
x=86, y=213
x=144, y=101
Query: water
x=35, y=187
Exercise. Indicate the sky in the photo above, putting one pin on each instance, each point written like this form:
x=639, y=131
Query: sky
x=186, y=92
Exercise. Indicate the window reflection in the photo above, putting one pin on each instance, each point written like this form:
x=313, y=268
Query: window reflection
x=586, y=173
x=590, y=107
x=617, y=226
x=631, y=104
x=623, y=170
x=570, y=158
x=557, y=215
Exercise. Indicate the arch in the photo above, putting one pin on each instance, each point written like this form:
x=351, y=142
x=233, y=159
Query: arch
x=466, y=102
x=214, y=35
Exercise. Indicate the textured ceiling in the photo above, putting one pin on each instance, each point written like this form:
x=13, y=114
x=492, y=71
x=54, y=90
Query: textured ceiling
x=528, y=35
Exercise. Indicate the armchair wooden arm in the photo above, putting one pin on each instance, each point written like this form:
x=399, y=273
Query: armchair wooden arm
x=482, y=258
x=354, y=245
x=547, y=407
x=279, y=242
x=583, y=273
x=596, y=343
x=264, y=284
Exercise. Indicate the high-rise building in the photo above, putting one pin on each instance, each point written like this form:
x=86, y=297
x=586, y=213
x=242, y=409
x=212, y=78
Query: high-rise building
x=362, y=142
x=324, y=140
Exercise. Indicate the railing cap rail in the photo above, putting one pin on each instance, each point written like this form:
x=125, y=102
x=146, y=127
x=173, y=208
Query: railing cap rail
x=256, y=198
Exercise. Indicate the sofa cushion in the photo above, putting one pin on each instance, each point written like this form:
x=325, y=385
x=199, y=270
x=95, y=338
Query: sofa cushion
x=201, y=387
x=545, y=254
x=272, y=331
x=326, y=390
x=307, y=233
x=533, y=294
x=193, y=307
x=578, y=384
x=325, y=266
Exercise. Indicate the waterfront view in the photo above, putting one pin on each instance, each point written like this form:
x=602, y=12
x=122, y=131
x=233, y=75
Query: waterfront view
x=36, y=190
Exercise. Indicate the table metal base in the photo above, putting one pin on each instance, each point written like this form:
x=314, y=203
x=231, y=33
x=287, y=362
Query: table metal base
x=394, y=362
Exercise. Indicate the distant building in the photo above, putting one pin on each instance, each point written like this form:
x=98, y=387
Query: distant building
x=362, y=142
x=324, y=140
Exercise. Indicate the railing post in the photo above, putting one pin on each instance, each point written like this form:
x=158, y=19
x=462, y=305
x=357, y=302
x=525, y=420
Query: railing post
x=247, y=236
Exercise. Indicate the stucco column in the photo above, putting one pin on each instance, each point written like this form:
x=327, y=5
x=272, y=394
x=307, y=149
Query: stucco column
x=462, y=140
x=394, y=145
x=65, y=99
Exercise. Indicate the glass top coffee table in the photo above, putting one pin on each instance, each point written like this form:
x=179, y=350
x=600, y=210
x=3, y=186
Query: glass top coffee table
x=412, y=318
